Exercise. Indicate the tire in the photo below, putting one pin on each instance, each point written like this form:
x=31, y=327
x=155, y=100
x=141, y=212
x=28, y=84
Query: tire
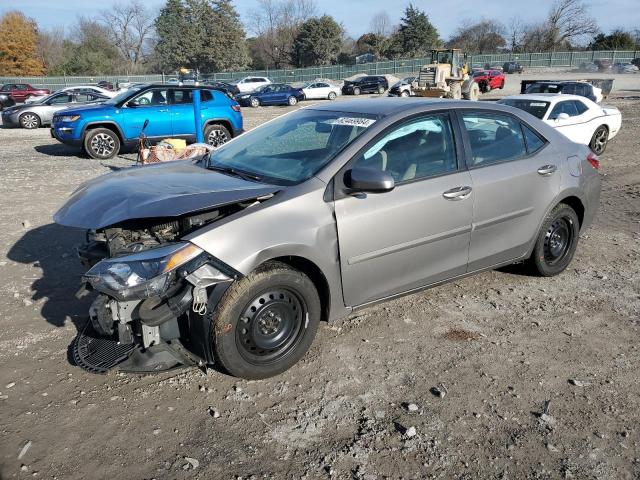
x=332, y=96
x=292, y=101
x=381, y=90
x=404, y=93
x=556, y=243
x=29, y=120
x=455, y=92
x=101, y=143
x=502, y=85
x=216, y=135
x=254, y=102
x=240, y=336
x=599, y=140
x=356, y=91
x=473, y=94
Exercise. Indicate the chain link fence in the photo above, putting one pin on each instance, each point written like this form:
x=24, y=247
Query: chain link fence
x=339, y=72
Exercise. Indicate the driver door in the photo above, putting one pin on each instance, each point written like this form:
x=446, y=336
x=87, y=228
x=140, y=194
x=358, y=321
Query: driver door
x=419, y=232
x=149, y=105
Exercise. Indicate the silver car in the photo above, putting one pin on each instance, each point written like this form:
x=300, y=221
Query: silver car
x=40, y=113
x=235, y=258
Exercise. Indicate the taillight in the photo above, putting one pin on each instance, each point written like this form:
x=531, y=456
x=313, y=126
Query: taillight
x=235, y=108
x=592, y=158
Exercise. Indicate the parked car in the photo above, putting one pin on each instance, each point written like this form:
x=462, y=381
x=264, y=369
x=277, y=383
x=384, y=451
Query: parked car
x=249, y=84
x=489, y=80
x=626, y=68
x=106, y=85
x=366, y=84
x=312, y=216
x=604, y=64
x=6, y=101
x=102, y=130
x=40, y=113
x=320, y=89
x=512, y=67
x=79, y=89
x=22, y=91
x=402, y=88
x=493, y=66
x=569, y=87
x=271, y=94
x=477, y=66
x=588, y=67
x=230, y=90
x=578, y=118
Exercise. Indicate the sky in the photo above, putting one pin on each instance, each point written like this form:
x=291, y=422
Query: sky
x=355, y=15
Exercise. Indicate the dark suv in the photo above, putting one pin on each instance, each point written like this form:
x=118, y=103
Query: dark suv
x=567, y=87
x=368, y=84
x=512, y=67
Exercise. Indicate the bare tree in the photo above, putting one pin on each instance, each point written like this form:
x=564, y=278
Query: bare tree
x=275, y=25
x=381, y=24
x=515, y=34
x=485, y=36
x=130, y=27
x=569, y=21
x=51, y=47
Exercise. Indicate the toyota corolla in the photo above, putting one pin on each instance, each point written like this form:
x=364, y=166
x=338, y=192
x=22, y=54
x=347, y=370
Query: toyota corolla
x=235, y=258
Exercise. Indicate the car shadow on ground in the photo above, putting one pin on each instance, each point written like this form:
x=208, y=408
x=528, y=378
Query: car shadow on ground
x=58, y=150
x=51, y=248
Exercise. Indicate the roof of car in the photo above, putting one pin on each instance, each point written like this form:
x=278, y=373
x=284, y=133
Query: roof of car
x=564, y=82
x=387, y=106
x=545, y=97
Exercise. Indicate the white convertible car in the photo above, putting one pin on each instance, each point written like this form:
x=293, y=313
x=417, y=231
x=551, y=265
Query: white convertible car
x=578, y=118
x=319, y=90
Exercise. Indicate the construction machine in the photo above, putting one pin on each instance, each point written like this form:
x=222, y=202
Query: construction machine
x=446, y=76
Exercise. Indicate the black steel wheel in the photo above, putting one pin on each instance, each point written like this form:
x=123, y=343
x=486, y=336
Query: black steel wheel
x=556, y=242
x=265, y=322
x=599, y=140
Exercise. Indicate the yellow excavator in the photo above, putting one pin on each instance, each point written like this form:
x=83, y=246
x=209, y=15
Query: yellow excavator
x=446, y=76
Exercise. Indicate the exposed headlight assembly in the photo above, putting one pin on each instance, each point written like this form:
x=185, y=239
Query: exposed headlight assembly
x=145, y=274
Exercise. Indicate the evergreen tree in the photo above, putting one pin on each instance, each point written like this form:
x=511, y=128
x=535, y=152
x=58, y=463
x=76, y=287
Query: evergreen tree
x=19, y=46
x=616, y=40
x=173, y=48
x=318, y=42
x=415, y=37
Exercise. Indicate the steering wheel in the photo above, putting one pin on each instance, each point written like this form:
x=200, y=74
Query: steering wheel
x=143, y=101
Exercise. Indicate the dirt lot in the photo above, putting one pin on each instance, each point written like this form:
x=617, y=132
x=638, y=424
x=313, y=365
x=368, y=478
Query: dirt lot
x=498, y=346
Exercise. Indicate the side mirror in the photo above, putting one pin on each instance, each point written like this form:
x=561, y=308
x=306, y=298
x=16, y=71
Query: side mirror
x=371, y=180
x=563, y=116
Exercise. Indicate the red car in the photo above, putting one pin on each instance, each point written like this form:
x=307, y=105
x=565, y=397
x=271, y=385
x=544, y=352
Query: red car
x=489, y=78
x=21, y=91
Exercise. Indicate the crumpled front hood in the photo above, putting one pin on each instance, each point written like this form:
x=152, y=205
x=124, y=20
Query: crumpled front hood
x=165, y=190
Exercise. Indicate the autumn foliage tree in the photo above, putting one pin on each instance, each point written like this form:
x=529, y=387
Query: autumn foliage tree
x=19, y=46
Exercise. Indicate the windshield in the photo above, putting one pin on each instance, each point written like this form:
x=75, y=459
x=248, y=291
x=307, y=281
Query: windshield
x=534, y=107
x=123, y=95
x=479, y=74
x=543, y=88
x=291, y=148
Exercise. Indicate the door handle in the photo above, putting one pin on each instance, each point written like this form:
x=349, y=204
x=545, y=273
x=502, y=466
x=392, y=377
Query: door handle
x=458, y=193
x=163, y=110
x=547, y=170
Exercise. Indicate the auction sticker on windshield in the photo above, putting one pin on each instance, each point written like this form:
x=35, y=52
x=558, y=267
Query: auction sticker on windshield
x=354, y=122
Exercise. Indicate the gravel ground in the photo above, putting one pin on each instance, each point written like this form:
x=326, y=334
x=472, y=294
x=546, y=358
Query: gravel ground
x=499, y=375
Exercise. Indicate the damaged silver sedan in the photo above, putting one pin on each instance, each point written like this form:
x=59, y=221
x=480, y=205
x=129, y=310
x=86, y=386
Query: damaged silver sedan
x=233, y=259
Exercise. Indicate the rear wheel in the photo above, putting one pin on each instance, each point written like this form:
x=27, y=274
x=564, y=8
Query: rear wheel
x=381, y=89
x=101, y=143
x=292, y=101
x=557, y=241
x=265, y=322
x=598, y=143
x=29, y=120
x=216, y=135
x=332, y=96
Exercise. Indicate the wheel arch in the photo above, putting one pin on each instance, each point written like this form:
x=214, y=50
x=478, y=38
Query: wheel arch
x=220, y=121
x=109, y=125
x=577, y=205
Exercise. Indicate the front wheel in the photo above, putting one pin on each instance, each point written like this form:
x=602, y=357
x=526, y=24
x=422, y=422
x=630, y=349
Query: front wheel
x=265, y=322
x=216, y=135
x=332, y=95
x=29, y=120
x=254, y=102
x=557, y=241
x=101, y=143
x=356, y=91
x=598, y=143
x=404, y=93
x=292, y=101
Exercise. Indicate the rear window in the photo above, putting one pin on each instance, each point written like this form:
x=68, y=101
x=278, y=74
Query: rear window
x=534, y=107
x=532, y=139
x=544, y=88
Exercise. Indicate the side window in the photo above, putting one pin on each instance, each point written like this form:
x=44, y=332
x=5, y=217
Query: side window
x=21, y=86
x=569, y=89
x=420, y=148
x=60, y=99
x=580, y=107
x=84, y=97
x=150, y=98
x=494, y=138
x=567, y=107
x=533, y=140
x=206, y=95
x=5, y=88
x=181, y=96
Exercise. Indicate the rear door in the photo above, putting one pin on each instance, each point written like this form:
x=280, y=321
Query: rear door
x=419, y=232
x=516, y=176
x=181, y=108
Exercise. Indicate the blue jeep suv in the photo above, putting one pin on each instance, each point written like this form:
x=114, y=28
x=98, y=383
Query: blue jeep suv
x=103, y=129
